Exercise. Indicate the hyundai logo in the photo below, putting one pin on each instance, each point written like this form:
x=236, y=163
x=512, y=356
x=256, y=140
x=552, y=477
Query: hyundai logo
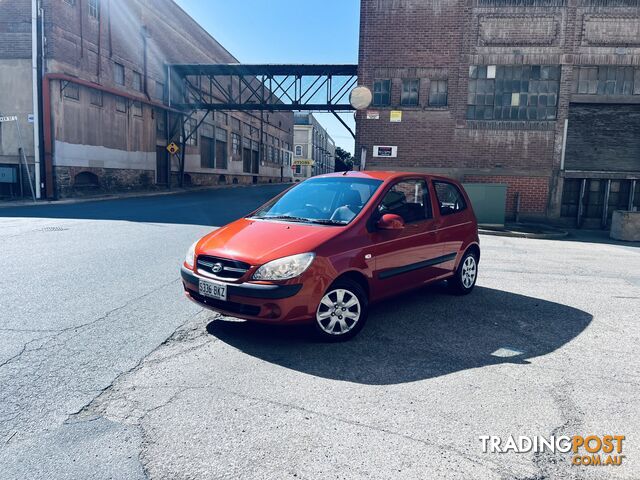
x=217, y=268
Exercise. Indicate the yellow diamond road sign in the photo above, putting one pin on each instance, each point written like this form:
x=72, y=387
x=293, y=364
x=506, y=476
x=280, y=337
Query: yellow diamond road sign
x=172, y=148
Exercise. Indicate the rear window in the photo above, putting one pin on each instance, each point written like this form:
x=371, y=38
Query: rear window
x=450, y=198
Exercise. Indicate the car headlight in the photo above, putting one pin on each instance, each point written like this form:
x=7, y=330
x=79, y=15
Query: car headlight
x=190, y=259
x=284, y=268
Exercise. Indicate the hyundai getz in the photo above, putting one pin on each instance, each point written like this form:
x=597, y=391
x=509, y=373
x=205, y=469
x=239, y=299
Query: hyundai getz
x=326, y=249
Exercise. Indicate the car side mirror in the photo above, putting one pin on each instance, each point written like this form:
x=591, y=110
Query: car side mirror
x=390, y=221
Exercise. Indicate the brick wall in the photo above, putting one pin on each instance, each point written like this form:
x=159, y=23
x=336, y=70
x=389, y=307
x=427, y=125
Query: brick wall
x=15, y=29
x=441, y=40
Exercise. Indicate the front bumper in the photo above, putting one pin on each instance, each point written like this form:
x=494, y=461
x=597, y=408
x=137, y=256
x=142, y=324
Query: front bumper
x=252, y=301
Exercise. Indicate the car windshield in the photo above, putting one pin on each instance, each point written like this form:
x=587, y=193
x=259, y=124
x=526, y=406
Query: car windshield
x=327, y=200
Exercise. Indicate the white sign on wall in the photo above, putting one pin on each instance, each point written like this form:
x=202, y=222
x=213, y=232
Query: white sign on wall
x=8, y=119
x=385, y=151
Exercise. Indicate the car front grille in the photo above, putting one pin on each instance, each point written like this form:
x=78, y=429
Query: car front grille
x=222, y=267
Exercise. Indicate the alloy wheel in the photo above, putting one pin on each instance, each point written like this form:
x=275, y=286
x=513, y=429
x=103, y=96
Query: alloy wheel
x=338, y=312
x=469, y=271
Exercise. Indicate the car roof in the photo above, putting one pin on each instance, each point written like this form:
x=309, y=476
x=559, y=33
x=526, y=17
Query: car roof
x=384, y=175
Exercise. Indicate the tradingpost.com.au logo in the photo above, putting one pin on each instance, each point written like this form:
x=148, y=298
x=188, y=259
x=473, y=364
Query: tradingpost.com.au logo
x=592, y=450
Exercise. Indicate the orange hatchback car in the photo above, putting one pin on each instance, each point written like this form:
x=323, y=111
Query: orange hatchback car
x=326, y=249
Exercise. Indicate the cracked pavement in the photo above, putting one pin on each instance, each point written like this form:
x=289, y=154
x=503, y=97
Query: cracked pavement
x=108, y=372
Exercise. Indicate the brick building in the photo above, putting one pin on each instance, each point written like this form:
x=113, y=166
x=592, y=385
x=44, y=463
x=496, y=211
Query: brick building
x=103, y=114
x=540, y=95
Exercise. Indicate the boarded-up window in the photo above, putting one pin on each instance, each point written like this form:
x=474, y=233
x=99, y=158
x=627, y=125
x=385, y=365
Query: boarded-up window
x=221, y=148
x=207, y=152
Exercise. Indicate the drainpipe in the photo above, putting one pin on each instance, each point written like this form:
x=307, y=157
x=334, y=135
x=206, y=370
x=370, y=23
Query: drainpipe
x=35, y=75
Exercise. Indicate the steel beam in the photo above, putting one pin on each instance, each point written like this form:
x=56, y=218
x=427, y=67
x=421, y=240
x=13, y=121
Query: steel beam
x=263, y=87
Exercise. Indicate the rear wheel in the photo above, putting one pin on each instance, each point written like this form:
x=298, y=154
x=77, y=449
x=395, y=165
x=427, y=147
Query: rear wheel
x=466, y=275
x=342, y=312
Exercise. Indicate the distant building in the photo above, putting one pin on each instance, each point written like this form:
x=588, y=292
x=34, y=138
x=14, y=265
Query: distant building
x=314, y=150
x=540, y=95
x=104, y=120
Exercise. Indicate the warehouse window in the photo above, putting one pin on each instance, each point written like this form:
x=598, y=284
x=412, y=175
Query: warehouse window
x=235, y=124
x=410, y=92
x=121, y=105
x=95, y=97
x=94, y=9
x=207, y=152
x=221, y=117
x=607, y=80
x=160, y=91
x=70, y=90
x=70, y=2
x=438, y=93
x=137, y=109
x=513, y=92
x=235, y=144
x=191, y=132
x=221, y=148
x=160, y=122
x=137, y=81
x=382, y=93
x=118, y=73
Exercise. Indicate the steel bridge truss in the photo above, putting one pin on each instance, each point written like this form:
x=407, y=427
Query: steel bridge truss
x=271, y=88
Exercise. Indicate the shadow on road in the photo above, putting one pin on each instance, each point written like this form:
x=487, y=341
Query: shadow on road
x=417, y=336
x=202, y=207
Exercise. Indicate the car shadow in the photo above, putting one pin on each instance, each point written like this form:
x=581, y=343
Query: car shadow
x=205, y=207
x=420, y=335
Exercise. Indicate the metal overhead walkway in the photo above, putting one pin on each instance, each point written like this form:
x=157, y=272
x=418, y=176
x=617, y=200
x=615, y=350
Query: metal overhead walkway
x=261, y=88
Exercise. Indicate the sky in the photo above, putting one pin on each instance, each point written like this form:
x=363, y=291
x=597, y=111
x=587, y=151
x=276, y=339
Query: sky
x=286, y=31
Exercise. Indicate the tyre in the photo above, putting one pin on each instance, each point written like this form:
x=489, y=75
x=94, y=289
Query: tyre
x=466, y=275
x=342, y=312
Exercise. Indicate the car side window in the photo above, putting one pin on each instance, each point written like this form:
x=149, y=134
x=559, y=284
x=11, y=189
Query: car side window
x=450, y=199
x=409, y=199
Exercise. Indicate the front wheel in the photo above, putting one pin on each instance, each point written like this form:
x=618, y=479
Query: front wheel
x=466, y=275
x=342, y=312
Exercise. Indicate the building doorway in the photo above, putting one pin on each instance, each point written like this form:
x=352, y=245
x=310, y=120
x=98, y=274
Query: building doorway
x=162, y=165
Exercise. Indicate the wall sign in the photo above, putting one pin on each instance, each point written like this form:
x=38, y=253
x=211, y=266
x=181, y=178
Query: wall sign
x=373, y=115
x=385, y=151
x=395, y=116
x=303, y=162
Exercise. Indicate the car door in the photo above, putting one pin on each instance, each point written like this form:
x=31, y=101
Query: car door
x=404, y=258
x=453, y=222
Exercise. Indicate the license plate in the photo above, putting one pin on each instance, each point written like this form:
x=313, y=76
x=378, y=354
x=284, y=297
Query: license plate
x=213, y=290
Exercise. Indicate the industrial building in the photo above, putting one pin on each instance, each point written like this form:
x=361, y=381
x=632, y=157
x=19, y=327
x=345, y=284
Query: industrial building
x=96, y=72
x=314, y=149
x=542, y=96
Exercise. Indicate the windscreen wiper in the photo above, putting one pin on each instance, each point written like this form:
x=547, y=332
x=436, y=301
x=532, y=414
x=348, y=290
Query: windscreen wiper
x=284, y=217
x=326, y=221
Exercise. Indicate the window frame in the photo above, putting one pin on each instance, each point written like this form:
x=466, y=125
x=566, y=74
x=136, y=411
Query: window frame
x=137, y=108
x=457, y=189
x=118, y=67
x=410, y=86
x=445, y=94
x=136, y=82
x=95, y=94
x=66, y=87
x=513, y=92
x=380, y=96
x=426, y=198
x=93, y=9
x=301, y=151
x=121, y=100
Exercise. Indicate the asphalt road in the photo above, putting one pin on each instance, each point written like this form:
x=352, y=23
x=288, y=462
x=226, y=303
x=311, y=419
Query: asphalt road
x=107, y=371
